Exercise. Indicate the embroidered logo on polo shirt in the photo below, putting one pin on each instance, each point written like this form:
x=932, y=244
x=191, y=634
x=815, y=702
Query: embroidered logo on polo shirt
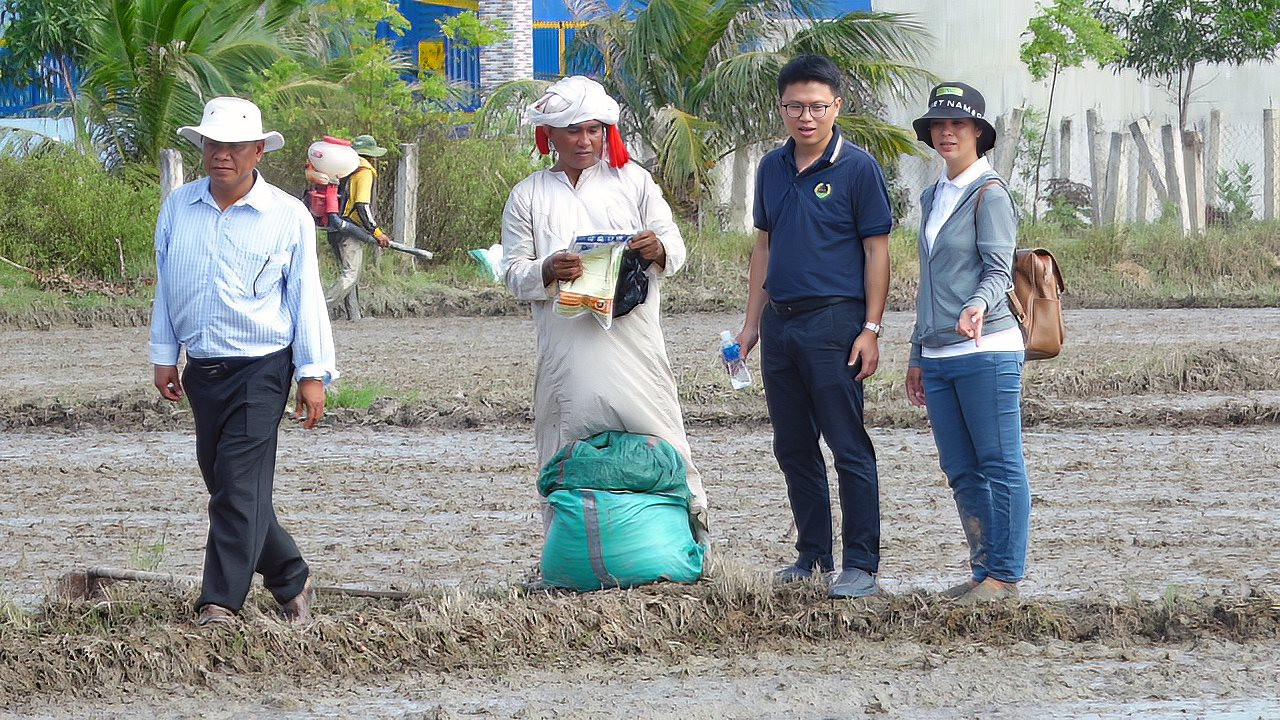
x=822, y=190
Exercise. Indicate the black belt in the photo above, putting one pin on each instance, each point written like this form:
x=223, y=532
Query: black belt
x=220, y=367
x=804, y=305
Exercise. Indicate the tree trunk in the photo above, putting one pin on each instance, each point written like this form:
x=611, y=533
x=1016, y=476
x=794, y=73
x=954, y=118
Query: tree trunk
x=1048, y=114
x=1184, y=97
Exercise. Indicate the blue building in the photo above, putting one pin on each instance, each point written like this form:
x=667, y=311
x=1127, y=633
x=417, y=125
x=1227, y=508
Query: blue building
x=428, y=49
x=554, y=27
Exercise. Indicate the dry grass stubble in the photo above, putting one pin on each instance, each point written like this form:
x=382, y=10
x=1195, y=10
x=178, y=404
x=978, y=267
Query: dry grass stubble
x=138, y=635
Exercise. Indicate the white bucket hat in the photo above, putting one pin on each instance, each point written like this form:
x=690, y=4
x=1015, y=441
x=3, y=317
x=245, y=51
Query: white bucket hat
x=229, y=120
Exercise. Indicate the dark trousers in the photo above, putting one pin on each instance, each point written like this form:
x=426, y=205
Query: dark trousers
x=237, y=404
x=811, y=393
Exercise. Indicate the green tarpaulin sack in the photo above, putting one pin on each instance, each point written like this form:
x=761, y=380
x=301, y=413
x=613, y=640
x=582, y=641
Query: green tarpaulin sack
x=618, y=461
x=620, y=515
x=600, y=539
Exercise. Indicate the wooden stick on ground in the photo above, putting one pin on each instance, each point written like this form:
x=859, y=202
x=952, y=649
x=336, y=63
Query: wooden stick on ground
x=92, y=581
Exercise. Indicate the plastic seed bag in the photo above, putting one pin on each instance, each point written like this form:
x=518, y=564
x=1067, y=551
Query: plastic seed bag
x=593, y=291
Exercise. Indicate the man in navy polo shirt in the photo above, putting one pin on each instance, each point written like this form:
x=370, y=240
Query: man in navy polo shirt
x=816, y=295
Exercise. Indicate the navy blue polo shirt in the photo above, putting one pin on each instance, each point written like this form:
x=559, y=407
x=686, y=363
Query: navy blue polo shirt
x=817, y=219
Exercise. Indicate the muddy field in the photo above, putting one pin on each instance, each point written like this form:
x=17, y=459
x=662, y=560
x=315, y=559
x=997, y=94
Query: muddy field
x=1151, y=451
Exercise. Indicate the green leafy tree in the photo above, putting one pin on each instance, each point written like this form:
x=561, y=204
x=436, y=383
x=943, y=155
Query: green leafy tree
x=149, y=66
x=1064, y=35
x=697, y=78
x=38, y=29
x=1168, y=40
x=350, y=81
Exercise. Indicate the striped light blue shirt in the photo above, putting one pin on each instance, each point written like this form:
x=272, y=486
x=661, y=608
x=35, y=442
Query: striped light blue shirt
x=239, y=283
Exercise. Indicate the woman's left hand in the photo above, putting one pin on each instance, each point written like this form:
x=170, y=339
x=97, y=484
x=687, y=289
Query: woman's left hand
x=970, y=324
x=649, y=246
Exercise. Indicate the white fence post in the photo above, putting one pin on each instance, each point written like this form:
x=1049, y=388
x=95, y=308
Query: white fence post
x=1192, y=149
x=1270, y=164
x=1008, y=132
x=405, y=227
x=1064, y=149
x=1117, y=186
x=1212, y=157
x=1174, y=170
x=1097, y=165
x=1142, y=139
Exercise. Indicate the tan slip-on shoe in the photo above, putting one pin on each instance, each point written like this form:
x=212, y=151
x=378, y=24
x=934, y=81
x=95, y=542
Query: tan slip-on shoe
x=298, y=610
x=210, y=614
x=989, y=591
x=956, y=591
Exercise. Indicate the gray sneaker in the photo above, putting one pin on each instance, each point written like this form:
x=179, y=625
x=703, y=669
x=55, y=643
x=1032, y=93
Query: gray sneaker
x=793, y=573
x=853, y=583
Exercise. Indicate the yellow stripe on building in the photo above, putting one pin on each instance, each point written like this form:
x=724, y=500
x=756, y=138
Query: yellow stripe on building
x=558, y=25
x=461, y=4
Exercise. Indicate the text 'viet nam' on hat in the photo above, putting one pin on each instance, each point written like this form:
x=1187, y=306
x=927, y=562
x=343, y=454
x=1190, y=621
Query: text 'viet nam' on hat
x=951, y=101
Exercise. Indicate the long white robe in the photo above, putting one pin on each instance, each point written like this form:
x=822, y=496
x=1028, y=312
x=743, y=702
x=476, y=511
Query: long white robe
x=590, y=379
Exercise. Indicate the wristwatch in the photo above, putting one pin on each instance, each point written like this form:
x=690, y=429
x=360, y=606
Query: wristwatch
x=873, y=327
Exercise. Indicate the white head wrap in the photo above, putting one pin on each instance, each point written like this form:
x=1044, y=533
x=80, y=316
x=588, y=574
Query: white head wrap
x=573, y=100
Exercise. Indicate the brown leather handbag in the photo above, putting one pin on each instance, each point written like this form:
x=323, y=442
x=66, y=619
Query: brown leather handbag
x=1033, y=299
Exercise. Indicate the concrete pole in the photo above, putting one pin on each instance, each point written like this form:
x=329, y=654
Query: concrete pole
x=1143, y=141
x=1117, y=186
x=1143, y=191
x=1192, y=152
x=170, y=172
x=1270, y=164
x=1212, y=157
x=1174, y=171
x=1008, y=133
x=1097, y=164
x=1064, y=149
x=405, y=221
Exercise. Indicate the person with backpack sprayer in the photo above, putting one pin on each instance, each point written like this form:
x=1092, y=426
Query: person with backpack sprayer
x=341, y=200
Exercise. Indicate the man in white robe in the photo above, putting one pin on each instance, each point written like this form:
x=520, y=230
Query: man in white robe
x=590, y=379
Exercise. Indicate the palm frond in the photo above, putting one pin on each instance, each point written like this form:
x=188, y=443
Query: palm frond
x=685, y=154
x=879, y=51
x=503, y=110
x=20, y=142
x=885, y=141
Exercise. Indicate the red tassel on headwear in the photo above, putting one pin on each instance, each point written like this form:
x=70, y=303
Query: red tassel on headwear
x=618, y=155
x=540, y=137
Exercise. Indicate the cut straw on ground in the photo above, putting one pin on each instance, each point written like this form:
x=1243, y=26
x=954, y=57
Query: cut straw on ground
x=143, y=634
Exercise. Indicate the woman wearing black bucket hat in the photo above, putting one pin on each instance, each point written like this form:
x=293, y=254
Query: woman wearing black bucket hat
x=966, y=349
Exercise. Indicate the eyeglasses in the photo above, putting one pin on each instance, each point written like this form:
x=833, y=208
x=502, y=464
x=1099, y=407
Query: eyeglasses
x=796, y=110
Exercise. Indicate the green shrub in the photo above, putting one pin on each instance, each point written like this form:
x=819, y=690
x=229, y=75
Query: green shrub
x=462, y=189
x=64, y=212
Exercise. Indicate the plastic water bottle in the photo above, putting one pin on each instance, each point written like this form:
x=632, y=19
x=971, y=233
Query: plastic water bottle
x=731, y=353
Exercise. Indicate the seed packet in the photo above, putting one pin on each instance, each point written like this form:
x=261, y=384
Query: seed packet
x=593, y=291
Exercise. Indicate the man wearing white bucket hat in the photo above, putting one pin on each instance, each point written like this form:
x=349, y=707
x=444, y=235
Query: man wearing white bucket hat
x=238, y=286
x=590, y=379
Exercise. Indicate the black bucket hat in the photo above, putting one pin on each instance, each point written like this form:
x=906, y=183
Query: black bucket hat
x=956, y=100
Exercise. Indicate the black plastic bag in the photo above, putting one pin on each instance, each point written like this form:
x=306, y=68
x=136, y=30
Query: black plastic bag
x=633, y=283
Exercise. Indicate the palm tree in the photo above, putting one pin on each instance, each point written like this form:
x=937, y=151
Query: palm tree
x=697, y=78
x=151, y=64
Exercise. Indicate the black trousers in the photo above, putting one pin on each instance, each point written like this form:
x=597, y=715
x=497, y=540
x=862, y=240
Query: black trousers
x=811, y=393
x=238, y=404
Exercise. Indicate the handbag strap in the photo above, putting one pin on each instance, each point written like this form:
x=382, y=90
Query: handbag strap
x=1015, y=305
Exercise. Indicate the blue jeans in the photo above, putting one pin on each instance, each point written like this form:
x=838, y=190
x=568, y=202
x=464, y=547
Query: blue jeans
x=974, y=408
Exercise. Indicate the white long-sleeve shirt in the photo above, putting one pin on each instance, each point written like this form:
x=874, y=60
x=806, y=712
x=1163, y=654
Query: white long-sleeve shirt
x=243, y=282
x=590, y=379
